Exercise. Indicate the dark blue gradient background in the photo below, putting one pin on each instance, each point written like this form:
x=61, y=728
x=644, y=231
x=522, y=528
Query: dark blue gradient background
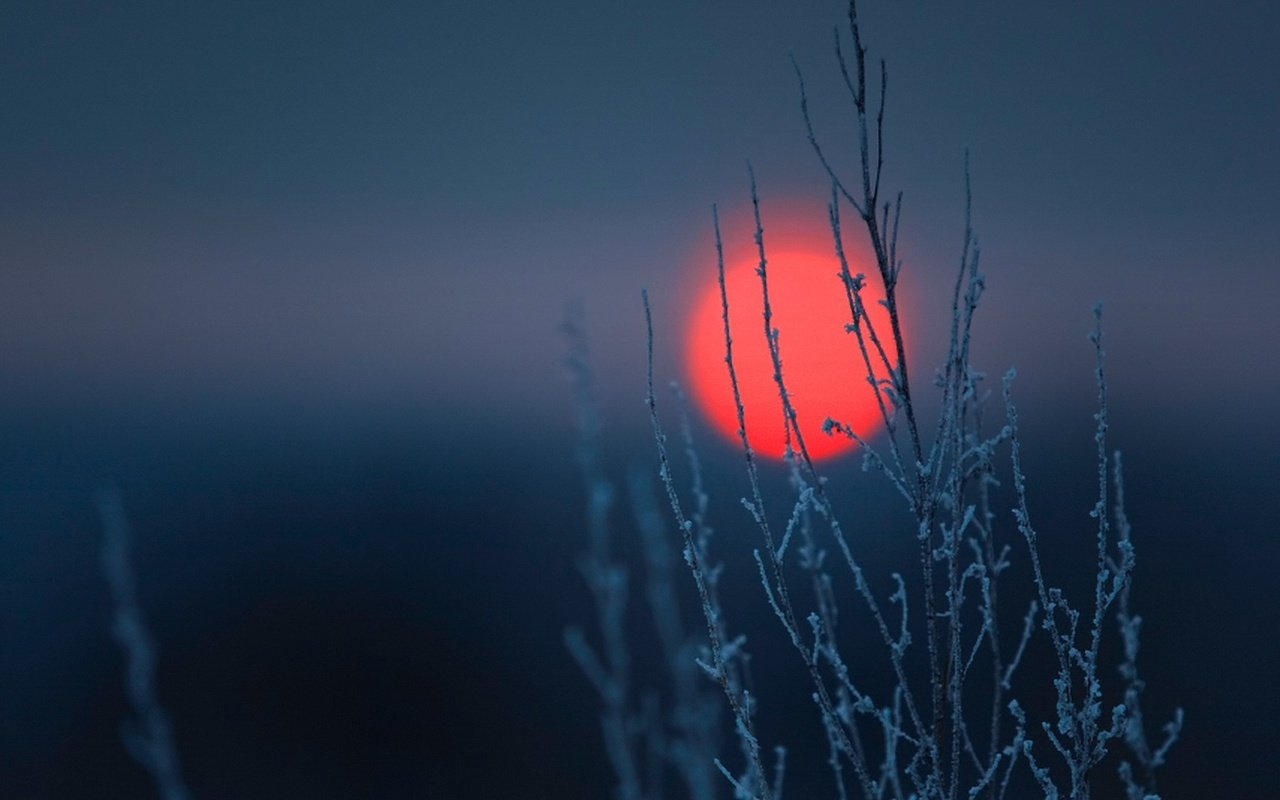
x=289, y=275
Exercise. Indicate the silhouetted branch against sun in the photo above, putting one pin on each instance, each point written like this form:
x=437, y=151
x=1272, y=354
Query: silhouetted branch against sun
x=797, y=352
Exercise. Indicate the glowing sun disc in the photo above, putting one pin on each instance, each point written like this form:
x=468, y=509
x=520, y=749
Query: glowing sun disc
x=822, y=367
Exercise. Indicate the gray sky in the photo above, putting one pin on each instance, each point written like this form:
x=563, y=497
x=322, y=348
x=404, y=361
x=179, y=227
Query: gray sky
x=322, y=205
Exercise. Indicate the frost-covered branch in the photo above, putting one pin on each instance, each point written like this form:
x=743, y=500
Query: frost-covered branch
x=149, y=737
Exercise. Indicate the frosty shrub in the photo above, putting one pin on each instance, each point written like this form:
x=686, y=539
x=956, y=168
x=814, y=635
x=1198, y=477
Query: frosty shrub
x=961, y=718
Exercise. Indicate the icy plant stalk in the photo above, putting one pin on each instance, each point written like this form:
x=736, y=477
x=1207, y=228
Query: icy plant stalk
x=951, y=726
x=936, y=743
x=646, y=733
x=149, y=738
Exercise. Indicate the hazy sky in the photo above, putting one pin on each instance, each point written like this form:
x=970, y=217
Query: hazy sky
x=290, y=204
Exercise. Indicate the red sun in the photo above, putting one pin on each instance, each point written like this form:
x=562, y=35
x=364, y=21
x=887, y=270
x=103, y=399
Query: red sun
x=821, y=363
